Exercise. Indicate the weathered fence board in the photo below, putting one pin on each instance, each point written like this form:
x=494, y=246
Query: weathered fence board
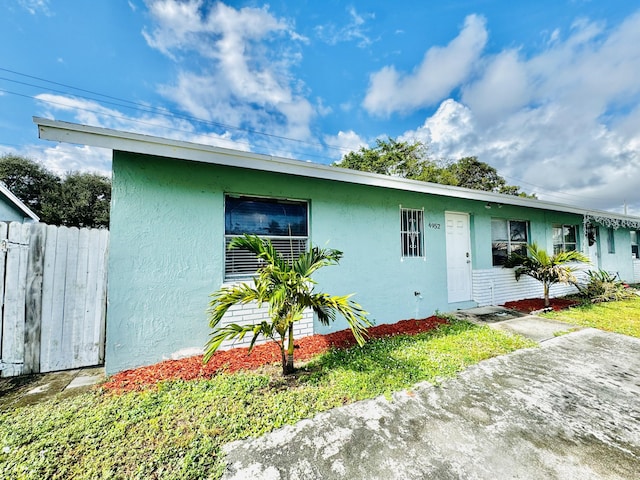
x=13, y=318
x=54, y=284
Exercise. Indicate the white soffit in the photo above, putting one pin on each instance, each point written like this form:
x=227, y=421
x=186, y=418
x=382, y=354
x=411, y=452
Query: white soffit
x=59, y=131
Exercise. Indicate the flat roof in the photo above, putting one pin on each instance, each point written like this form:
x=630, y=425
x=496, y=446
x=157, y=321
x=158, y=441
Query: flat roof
x=74, y=133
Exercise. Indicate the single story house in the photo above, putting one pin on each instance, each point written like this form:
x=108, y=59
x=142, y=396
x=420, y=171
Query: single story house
x=410, y=248
x=12, y=209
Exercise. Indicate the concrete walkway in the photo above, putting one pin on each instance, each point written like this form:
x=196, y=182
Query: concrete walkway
x=569, y=409
x=531, y=326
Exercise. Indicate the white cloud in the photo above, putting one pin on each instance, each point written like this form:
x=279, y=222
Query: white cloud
x=562, y=123
x=503, y=88
x=36, y=6
x=63, y=157
x=355, y=30
x=234, y=65
x=343, y=143
x=442, y=70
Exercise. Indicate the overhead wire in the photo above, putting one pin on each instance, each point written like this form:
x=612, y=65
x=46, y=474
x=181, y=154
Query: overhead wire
x=145, y=108
x=160, y=111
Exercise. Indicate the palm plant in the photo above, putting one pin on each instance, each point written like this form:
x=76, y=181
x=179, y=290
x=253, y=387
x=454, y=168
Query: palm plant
x=546, y=269
x=288, y=289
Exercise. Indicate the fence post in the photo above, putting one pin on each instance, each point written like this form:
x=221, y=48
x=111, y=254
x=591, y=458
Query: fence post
x=33, y=313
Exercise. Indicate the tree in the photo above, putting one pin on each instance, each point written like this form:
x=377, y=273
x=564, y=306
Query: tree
x=388, y=157
x=548, y=270
x=84, y=200
x=78, y=200
x=411, y=160
x=32, y=183
x=288, y=289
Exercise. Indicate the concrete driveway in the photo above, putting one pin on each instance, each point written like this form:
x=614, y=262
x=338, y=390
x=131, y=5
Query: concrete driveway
x=569, y=409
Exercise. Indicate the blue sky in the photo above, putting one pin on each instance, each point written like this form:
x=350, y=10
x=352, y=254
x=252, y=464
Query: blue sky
x=548, y=92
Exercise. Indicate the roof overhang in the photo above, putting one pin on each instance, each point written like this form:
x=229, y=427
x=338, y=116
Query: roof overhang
x=59, y=131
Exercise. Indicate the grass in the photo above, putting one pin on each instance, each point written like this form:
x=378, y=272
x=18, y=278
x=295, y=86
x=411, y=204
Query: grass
x=177, y=430
x=620, y=317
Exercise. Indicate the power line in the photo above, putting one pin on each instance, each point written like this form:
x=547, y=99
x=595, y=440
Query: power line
x=160, y=111
x=145, y=108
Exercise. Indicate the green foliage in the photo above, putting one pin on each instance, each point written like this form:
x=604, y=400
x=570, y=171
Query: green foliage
x=77, y=200
x=411, y=160
x=602, y=286
x=619, y=316
x=548, y=270
x=288, y=289
x=84, y=200
x=178, y=430
x=32, y=183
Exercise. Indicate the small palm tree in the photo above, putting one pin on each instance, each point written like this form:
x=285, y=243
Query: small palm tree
x=287, y=287
x=546, y=269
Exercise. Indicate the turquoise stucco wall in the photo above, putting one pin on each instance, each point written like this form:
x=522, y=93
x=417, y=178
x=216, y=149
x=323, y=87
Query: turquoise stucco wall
x=167, y=249
x=619, y=262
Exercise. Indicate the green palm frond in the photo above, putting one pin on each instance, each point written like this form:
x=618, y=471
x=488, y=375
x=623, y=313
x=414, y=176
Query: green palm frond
x=261, y=248
x=228, y=296
x=287, y=288
x=548, y=270
x=231, y=331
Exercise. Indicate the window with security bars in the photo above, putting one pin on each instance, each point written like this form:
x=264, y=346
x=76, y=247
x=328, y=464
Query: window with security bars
x=412, y=232
x=283, y=222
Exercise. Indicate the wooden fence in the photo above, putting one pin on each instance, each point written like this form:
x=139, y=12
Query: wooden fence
x=53, y=287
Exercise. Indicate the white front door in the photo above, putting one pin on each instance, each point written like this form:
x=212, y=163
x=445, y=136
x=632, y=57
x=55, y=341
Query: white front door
x=458, y=257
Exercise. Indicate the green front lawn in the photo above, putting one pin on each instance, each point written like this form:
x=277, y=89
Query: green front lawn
x=620, y=317
x=177, y=430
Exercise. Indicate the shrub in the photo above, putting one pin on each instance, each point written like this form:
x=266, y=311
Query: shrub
x=603, y=286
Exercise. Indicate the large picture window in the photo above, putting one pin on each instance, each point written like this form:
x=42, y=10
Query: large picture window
x=412, y=232
x=507, y=237
x=283, y=222
x=565, y=238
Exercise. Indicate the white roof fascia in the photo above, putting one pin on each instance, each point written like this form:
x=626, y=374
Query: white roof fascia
x=18, y=203
x=60, y=131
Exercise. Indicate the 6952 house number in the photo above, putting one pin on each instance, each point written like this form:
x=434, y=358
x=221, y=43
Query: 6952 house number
x=435, y=226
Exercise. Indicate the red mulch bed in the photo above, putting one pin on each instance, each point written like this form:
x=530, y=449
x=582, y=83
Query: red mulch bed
x=238, y=358
x=529, y=305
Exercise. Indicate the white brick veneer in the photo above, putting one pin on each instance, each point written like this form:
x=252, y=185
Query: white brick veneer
x=495, y=286
x=250, y=313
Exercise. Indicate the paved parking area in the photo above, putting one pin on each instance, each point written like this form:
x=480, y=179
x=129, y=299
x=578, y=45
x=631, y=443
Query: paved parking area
x=569, y=409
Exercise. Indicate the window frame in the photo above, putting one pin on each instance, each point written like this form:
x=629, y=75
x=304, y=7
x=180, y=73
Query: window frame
x=611, y=240
x=406, y=235
x=635, y=246
x=510, y=243
x=296, y=243
x=563, y=236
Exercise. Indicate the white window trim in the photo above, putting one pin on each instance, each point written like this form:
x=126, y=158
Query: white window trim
x=577, y=235
x=508, y=240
